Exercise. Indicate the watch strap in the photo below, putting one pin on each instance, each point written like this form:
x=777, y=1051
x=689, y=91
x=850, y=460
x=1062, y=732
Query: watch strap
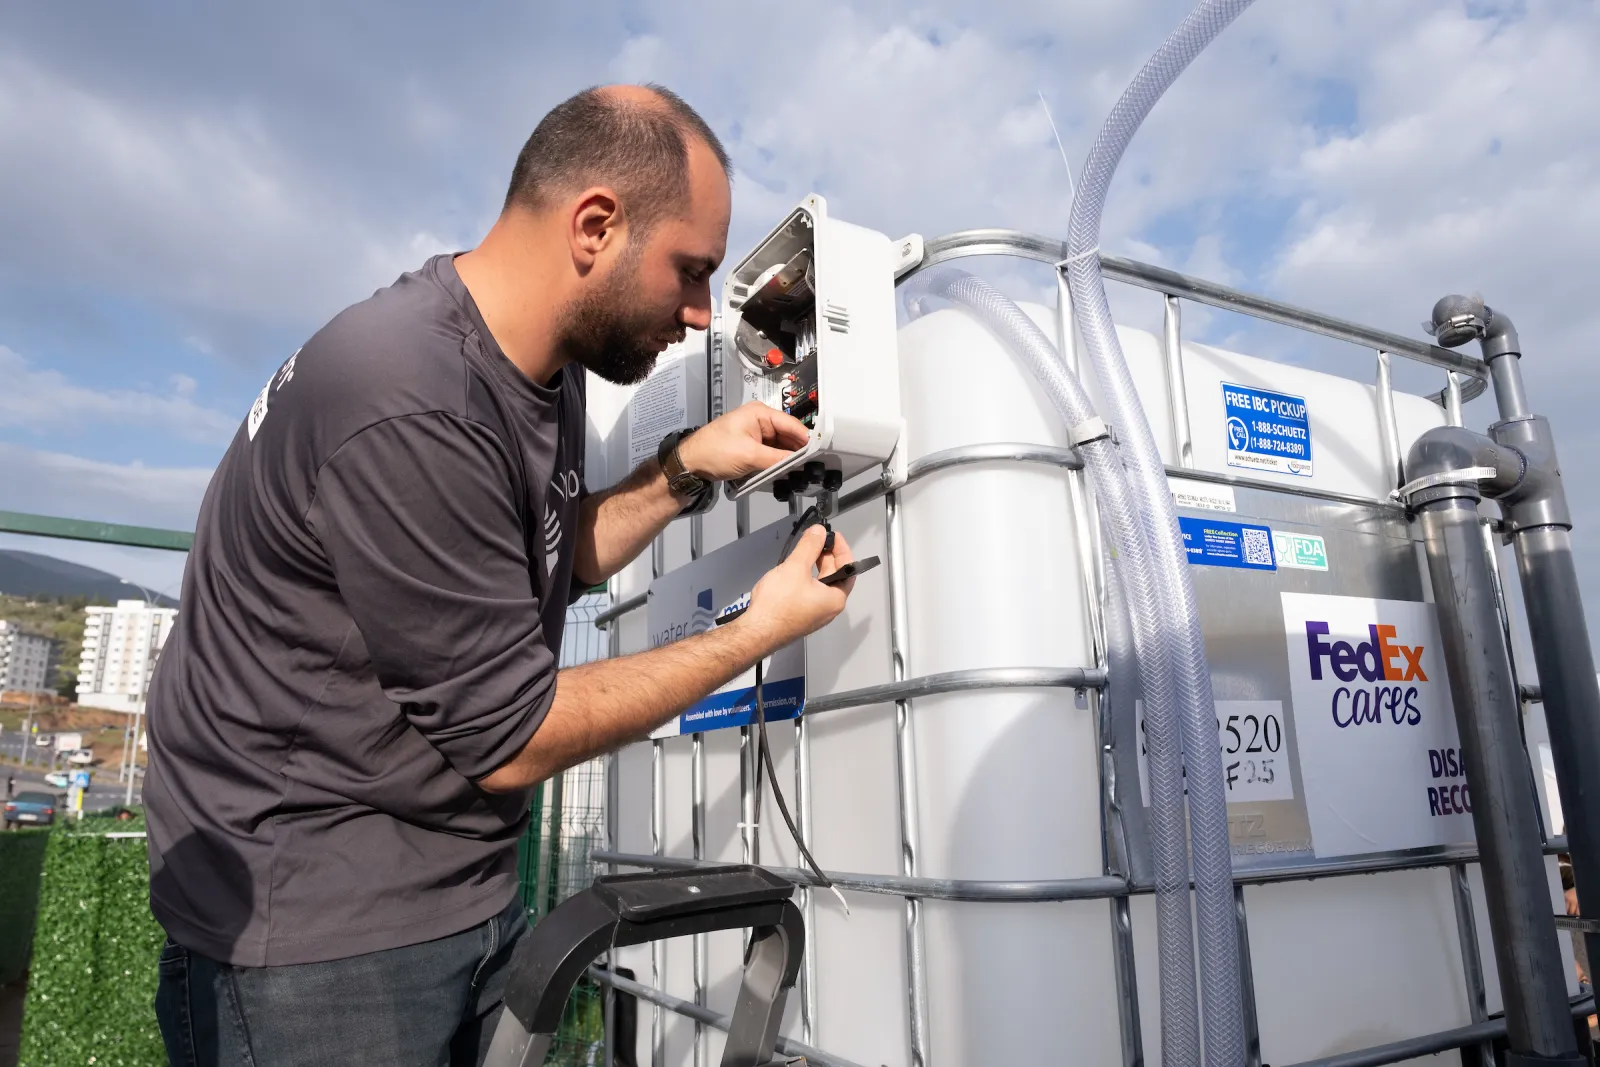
x=679, y=479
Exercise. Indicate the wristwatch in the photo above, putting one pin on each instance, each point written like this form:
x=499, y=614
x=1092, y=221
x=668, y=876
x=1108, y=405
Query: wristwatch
x=679, y=480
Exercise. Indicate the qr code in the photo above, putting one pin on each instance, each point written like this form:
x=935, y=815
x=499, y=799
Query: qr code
x=1257, y=547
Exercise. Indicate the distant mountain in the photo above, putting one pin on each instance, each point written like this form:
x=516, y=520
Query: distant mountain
x=30, y=574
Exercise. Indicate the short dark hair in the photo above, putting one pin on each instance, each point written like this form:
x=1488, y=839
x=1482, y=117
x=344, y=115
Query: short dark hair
x=600, y=138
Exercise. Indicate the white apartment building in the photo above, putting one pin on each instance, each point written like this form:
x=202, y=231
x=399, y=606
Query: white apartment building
x=25, y=659
x=120, y=646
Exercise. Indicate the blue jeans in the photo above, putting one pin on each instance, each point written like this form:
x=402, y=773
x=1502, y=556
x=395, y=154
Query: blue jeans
x=433, y=1005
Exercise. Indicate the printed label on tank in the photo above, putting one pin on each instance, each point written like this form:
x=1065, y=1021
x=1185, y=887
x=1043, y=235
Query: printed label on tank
x=688, y=600
x=1298, y=551
x=1266, y=431
x=1380, y=759
x=660, y=406
x=1201, y=496
x=1255, y=751
x=1217, y=543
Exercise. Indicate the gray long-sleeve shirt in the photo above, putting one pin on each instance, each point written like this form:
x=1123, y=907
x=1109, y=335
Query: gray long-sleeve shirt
x=371, y=620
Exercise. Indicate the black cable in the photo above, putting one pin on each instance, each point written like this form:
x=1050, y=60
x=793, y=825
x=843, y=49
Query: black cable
x=765, y=752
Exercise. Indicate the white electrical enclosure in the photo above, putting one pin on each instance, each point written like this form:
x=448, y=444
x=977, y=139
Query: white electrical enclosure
x=810, y=330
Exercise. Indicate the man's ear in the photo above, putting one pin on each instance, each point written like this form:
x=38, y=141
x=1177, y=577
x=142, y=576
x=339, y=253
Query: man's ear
x=597, y=225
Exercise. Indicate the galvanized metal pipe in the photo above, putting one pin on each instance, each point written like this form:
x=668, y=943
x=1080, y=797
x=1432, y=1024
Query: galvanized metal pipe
x=697, y=819
x=710, y=1018
x=1045, y=891
x=658, y=822
x=1429, y=1044
x=1000, y=242
x=658, y=964
x=905, y=763
x=1113, y=830
x=1388, y=426
x=1177, y=390
x=1507, y=824
x=802, y=799
x=1452, y=399
x=697, y=789
x=961, y=681
x=1471, y=958
x=1247, y=983
x=613, y=786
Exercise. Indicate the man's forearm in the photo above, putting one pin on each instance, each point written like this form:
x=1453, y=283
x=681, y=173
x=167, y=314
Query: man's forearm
x=614, y=526
x=600, y=706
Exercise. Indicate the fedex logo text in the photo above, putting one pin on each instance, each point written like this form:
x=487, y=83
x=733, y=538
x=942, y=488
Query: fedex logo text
x=1376, y=660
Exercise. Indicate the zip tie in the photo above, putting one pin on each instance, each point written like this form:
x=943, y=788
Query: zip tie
x=840, y=895
x=1070, y=260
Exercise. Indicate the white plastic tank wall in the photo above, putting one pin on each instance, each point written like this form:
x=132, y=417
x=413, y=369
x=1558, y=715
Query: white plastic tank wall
x=1008, y=787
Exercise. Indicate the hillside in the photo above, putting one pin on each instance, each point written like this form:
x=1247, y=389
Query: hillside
x=29, y=574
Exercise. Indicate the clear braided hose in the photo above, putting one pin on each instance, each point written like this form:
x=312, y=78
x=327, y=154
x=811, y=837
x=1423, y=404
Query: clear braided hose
x=1220, y=993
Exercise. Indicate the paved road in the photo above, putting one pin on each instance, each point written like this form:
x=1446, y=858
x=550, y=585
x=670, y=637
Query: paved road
x=104, y=790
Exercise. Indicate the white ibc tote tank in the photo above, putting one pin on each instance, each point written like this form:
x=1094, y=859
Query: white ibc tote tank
x=1008, y=786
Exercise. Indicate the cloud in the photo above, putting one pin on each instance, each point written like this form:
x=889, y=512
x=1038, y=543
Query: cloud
x=1360, y=158
x=44, y=400
x=197, y=207
x=66, y=486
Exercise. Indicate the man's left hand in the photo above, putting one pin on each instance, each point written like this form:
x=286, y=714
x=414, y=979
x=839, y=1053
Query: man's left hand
x=748, y=439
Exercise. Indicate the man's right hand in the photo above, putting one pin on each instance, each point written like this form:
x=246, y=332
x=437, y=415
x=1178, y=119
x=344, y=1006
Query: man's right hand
x=611, y=702
x=789, y=602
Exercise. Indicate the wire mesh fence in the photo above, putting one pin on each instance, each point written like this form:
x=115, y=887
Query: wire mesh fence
x=567, y=824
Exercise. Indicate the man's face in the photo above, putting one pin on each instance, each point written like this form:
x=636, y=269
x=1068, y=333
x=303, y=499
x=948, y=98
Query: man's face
x=658, y=284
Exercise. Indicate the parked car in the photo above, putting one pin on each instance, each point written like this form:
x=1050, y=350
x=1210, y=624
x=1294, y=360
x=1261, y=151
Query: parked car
x=81, y=757
x=59, y=779
x=45, y=740
x=34, y=809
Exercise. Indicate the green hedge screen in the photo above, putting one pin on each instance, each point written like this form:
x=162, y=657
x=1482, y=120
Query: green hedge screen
x=21, y=857
x=93, y=981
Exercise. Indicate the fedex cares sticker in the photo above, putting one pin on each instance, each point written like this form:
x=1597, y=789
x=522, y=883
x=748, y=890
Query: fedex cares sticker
x=1376, y=731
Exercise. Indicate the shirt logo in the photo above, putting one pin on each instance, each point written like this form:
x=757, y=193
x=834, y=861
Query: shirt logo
x=258, y=411
x=566, y=487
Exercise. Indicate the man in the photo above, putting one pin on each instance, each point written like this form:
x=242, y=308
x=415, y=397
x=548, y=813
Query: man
x=361, y=687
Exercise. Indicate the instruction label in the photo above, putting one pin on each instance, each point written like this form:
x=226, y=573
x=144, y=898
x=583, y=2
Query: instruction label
x=1218, y=543
x=688, y=600
x=1379, y=754
x=1298, y=551
x=1255, y=753
x=1267, y=431
x=660, y=406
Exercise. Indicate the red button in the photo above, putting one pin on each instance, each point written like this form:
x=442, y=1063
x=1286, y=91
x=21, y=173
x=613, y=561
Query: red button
x=774, y=357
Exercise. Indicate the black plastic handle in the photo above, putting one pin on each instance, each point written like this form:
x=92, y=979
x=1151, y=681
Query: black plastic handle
x=623, y=910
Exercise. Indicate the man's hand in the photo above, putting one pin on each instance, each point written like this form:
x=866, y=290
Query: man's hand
x=614, y=526
x=748, y=439
x=789, y=602
x=601, y=705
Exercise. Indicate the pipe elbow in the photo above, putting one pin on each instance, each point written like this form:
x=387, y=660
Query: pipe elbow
x=1499, y=337
x=1446, y=449
x=1459, y=319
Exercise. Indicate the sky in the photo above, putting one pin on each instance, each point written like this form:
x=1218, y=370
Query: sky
x=187, y=191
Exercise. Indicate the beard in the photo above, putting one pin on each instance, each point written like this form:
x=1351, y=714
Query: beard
x=599, y=331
